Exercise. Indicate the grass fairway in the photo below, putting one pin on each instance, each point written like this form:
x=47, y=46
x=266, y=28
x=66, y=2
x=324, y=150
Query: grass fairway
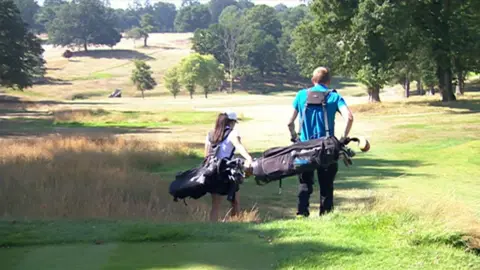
x=99, y=199
x=339, y=241
x=410, y=203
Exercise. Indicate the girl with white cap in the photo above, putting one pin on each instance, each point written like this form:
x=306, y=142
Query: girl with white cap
x=226, y=136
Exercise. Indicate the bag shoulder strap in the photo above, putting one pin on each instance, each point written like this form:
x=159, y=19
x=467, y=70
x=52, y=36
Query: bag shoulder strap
x=214, y=148
x=324, y=108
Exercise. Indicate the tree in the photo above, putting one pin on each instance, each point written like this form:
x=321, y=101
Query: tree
x=212, y=74
x=134, y=33
x=28, y=10
x=186, y=3
x=290, y=19
x=231, y=35
x=191, y=72
x=265, y=18
x=245, y=4
x=172, y=81
x=142, y=77
x=192, y=17
x=20, y=51
x=262, y=51
x=126, y=19
x=352, y=38
x=164, y=16
x=281, y=8
x=147, y=27
x=83, y=22
x=217, y=6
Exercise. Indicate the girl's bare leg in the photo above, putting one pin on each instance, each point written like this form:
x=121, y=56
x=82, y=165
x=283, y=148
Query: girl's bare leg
x=236, y=205
x=216, y=199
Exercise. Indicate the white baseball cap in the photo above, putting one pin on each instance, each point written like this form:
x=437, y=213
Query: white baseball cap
x=231, y=115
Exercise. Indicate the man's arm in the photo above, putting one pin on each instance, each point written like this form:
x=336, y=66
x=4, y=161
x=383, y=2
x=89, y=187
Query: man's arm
x=291, y=125
x=348, y=117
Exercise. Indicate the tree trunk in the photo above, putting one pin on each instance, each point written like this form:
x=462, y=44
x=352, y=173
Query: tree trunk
x=143, y=95
x=407, y=88
x=447, y=91
x=460, y=84
x=191, y=95
x=374, y=94
x=206, y=94
x=432, y=90
x=85, y=46
x=420, y=90
x=231, y=83
x=145, y=42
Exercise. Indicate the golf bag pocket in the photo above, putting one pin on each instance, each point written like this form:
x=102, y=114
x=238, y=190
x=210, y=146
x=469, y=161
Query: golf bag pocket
x=266, y=169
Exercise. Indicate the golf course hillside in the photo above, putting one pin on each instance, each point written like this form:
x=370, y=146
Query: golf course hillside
x=102, y=106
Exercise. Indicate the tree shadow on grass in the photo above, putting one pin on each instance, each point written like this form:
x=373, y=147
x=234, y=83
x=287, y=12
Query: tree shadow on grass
x=113, y=54
x=366, y=173
x=24, y=127
x=51, y=81
x=467, y=105
x=17, y=103
x=168, y=246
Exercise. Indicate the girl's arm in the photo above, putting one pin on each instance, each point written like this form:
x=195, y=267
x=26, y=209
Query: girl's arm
x=241, y=149
x=207, y=146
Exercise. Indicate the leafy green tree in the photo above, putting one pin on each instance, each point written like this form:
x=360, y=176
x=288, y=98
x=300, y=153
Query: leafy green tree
x=191, y=72
x=28, y=10
x=281, y=8
x=186, y=3
x=264, y=17
x=451, y=29
x=146, y=25
x=262, y=51
x=20, y=51
x=245, y=4
x=172, y=81
x=134, y=34
x=212, y=74
x=290, y=18
x=164, y=16
x=352, y=38
x=192, y=17
x=125, y=19
x=231, y=35
x=217, y=6
x=142, y=77
x=83, y=22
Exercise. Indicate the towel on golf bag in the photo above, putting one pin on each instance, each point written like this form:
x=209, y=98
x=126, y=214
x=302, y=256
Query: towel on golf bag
x=220, y=176
x=281, y=162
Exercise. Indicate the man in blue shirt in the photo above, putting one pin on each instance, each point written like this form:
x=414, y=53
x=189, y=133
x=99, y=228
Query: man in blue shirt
x=313, y=127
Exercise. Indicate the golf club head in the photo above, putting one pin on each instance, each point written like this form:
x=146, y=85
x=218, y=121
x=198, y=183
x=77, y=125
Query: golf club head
x=364, y=144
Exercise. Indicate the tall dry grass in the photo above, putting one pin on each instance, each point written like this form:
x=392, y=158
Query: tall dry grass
x=84, y=177
x=451, y=213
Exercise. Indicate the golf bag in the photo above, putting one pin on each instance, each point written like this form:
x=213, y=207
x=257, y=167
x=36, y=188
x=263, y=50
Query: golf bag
x=116, y=94
x=221, y=176
x=281, y=162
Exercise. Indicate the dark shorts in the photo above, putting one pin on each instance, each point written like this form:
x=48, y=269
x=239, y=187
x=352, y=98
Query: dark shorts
x=222, y=189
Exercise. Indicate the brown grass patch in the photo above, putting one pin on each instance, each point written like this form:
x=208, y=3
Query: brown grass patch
x=80, y=177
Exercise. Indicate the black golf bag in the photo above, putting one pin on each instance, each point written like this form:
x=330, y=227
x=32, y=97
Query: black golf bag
x=281, y=162
x=222, y=176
